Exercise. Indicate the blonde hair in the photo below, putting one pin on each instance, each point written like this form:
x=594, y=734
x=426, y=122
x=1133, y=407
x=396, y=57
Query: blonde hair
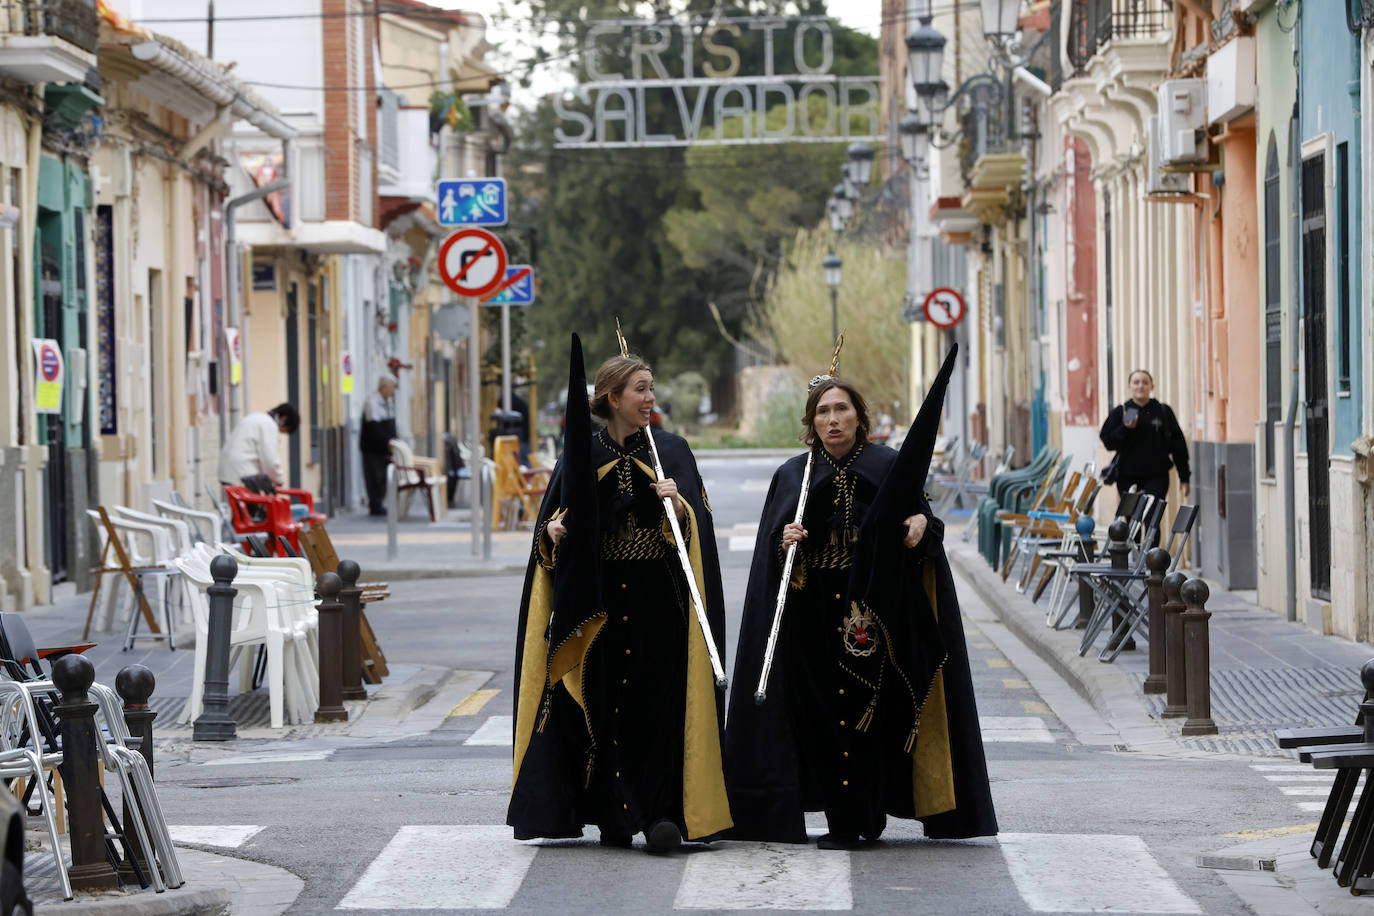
x=614, y=374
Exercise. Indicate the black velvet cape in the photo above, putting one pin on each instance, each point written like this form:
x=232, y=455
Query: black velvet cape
x=938, y=774
x=561, y=613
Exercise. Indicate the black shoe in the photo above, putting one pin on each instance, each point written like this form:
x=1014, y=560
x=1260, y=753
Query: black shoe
x=663, y=837
x=618, y=840
x=830, y=841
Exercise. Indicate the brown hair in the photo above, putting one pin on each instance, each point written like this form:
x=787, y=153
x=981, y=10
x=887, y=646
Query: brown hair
x=808, y=433
x=614, y=374
x=1135, y=372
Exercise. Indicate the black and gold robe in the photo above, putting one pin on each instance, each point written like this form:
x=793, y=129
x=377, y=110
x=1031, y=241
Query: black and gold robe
x=618, y=721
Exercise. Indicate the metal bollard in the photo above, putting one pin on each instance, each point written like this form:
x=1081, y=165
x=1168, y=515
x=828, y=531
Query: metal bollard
x=351, y=653
x=135, y=684
x=214, y=723
x=1156, y=562
x=392, y=511
x=1198, y=657
x=1367, y=705
x=331, y=640
x=1175, y=677
x=1119, y=552
x=73, y=676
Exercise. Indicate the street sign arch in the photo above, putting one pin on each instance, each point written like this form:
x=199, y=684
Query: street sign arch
x=472, y=262
x=944, y=307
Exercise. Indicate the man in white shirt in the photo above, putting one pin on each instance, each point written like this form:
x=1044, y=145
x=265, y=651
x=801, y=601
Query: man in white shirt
x=374, y=441
x=251, y=450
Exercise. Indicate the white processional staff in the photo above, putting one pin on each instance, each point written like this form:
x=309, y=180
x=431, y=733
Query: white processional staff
x=761, y=693
x=716, y=668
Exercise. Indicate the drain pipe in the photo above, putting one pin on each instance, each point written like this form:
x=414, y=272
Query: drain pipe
x=231, y=297
x=1290, y=508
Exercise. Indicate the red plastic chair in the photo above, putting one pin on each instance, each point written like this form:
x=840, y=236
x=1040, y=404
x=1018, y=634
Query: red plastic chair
x=276, y=521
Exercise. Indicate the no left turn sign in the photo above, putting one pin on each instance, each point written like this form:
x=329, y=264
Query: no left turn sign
x=944, y=307
x=472, y=262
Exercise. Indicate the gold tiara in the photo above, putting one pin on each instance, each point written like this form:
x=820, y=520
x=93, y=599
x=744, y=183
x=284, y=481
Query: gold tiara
x=834, y=365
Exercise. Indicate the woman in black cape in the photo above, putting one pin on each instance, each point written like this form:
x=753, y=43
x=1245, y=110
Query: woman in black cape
x=869, y=710
x=618, y=719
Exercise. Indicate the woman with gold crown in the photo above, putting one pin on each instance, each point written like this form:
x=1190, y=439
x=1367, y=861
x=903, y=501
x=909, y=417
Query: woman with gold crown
x=618, y=717
x=869, y=709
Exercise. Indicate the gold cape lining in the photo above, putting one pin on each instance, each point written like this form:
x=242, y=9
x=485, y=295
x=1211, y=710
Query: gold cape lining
x=932, y=768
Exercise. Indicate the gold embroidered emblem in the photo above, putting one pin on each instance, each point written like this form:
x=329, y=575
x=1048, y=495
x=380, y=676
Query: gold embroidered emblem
x=860, y=633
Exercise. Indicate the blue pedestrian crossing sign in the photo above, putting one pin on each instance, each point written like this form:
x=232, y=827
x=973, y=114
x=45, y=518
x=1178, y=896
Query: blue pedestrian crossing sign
x=518, y=288
x=472, y=202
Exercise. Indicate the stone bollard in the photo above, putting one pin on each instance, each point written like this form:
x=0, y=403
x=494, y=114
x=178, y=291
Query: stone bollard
x=351, y=597
x=1198, y=663
x=73, y=676
x=1119, y=553
x=1175, y=676
x=1156, y=562
x=214, y=723
x=135, y=684
x=331, y=641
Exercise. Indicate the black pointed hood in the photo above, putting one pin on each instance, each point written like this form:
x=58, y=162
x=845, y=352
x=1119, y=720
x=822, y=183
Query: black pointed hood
x=576, y=578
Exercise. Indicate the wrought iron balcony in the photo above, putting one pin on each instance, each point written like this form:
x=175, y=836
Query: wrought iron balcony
x=74, y=21
x=1095, y=23
x=48, y=41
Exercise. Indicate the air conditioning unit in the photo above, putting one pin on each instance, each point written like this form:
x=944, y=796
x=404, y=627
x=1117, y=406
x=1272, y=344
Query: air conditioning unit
x=1158, y=181
x=1183, y=122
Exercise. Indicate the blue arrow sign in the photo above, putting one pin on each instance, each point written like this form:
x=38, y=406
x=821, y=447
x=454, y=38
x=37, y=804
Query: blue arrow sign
x=520, y=290
x=472, y=202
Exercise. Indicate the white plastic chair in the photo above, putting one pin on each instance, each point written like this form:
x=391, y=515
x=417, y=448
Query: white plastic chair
x=409, y=478
x=258, y=620
x=205, y=527
x=149, y=549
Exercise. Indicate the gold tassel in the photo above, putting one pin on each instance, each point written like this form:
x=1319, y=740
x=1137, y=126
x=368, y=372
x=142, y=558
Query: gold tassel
x=867, y=719
x=910, y=739
x=544, y=714
x=591, y=765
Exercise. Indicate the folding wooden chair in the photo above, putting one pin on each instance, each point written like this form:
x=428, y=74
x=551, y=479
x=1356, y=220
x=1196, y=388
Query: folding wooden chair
x=124, y=566
x=319, y=550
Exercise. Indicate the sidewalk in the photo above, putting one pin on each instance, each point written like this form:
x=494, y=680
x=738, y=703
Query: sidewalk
x=1267, y=674
x=411, y=700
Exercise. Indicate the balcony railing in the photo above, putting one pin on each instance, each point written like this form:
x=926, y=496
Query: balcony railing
x=74, y=21
x=1094, y=23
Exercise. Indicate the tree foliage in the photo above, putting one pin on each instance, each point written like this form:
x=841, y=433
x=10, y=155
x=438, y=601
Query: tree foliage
x=655, y=236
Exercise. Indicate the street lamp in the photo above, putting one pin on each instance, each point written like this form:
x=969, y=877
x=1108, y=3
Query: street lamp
x=836, y=221
x=832, y=264
x=844, y=204
x=860, y=157
x=925, y=52
x=999, y=17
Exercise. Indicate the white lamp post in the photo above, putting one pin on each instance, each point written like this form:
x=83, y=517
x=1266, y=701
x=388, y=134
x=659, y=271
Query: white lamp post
x=860, y=157
x=999, y=17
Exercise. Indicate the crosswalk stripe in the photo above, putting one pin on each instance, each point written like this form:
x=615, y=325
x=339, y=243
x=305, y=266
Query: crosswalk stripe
x=1305, y=790
x=1294, y=777
x=227, y=836
x=1281, y=767
x=766, y=876
x=1084, y=873
x=443, y=867
x=1020, y=729
x=260, y=759
x=742, y=543
x=1312, y=807
x=495, y=732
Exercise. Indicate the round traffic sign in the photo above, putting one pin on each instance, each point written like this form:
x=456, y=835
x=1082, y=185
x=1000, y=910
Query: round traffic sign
x=944, y=307
x=348, y=364
x=472, y=262
x=49, y=362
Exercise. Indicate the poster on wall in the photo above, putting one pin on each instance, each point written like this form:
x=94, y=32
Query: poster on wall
x=48, y=369
x=235, y=348
x=346, y=372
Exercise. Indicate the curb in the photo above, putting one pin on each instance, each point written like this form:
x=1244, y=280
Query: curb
x=209, y=901
x=1110, y=690
x=411, y=573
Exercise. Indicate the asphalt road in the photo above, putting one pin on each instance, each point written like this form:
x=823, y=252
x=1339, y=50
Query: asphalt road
x=381, y=825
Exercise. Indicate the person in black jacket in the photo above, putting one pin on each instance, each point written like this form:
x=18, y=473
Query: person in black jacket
x=1147, y=440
